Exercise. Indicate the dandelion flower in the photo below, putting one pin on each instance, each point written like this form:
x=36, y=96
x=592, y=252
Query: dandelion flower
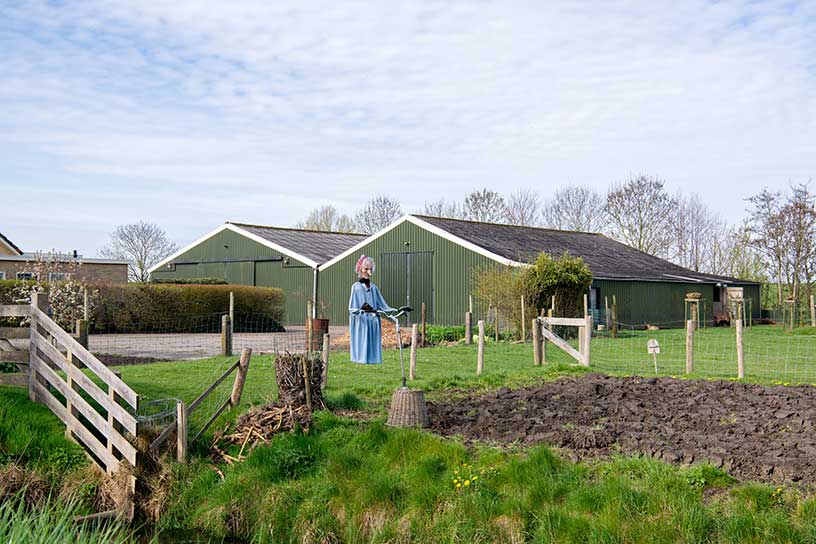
x=467, y=483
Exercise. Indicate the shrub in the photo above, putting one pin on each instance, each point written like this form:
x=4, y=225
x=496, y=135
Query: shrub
x=186, y=308
x=566, y=277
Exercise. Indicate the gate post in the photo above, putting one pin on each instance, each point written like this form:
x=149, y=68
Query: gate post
x=587, y=329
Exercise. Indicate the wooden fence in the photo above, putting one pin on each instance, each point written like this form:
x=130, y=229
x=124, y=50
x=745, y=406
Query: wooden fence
x=100, y=417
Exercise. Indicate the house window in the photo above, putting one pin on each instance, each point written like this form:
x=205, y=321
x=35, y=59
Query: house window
x=57, y=276
x=24, y=275
x=2, y=275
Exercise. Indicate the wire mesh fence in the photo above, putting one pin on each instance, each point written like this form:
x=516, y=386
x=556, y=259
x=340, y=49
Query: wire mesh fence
x=191, y=337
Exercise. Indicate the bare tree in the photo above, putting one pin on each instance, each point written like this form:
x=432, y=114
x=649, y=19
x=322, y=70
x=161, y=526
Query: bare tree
x=486, y=206
x=639, y=213
x=142, y=244
x=766, y=227
x=442, y=208
x=378, y=213
x=695, y=230
x=575, y=208
x=327, y=218
x=523, y=208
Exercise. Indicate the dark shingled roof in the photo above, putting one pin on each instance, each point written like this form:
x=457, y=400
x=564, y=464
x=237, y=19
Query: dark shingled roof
x=606, y=258
x=10, y=243
x=319, y=246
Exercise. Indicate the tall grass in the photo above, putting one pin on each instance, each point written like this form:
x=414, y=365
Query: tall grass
x=364, y=482
x=53, y=523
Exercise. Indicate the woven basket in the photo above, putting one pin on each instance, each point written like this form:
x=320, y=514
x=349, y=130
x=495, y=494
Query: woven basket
x=408, y=409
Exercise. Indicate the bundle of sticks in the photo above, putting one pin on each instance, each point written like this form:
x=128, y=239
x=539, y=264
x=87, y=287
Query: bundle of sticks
x=259, y=426
x=294, y=389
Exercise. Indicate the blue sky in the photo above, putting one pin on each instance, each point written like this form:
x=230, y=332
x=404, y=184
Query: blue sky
x=192, y=113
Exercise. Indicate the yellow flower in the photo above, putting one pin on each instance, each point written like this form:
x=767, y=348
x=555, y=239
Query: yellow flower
x=475, y=478
x=467, y=483
x=458, y=485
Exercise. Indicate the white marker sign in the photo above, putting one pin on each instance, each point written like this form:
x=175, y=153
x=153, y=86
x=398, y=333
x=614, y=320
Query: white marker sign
x=653, y=346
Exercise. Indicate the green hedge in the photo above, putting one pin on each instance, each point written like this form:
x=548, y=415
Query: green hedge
x=191, y=281
x=176, y=308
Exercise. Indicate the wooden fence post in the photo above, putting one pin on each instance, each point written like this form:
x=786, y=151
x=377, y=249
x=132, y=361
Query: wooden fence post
x=226, y=336
x=307, y=381
x=544, y=341
x=523, y=321
x=414, y=340
x=232, y=312
x=326, y=350
x=81, y=330
x=468, y=328
x=240, y=377
x=614, y=317
x=812, y=313
x=606, y=313
x=39, y=301
x=536, y=342
x=588, y=340
x=689, y=346
x=586, y=305
x=423, y=324
x=309, y=326
x=496, y=314
x=181, y=432
x=86, y=306
x=480, y=350
x=740, y=353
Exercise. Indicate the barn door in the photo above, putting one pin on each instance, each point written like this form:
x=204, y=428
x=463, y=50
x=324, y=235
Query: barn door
x=406, y=279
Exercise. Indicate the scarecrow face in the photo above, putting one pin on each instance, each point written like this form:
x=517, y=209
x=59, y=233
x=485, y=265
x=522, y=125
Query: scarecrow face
x=365, y=271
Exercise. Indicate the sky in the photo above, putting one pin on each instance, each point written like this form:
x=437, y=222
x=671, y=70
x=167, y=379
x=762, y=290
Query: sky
x=188, y=113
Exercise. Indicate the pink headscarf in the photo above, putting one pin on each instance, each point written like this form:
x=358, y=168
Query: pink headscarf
x=362, y=261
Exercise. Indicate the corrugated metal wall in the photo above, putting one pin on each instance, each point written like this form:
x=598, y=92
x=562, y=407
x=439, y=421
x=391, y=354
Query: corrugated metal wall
x=451, y=282
x=236, y=259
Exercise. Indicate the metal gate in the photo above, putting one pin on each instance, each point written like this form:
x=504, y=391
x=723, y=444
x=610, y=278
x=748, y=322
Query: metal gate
x=407, y=279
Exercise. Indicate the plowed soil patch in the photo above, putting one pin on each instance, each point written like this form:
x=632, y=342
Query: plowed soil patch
x=755, y=432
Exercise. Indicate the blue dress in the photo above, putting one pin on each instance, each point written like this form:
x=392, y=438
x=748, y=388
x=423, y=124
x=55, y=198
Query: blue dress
x=365, y=333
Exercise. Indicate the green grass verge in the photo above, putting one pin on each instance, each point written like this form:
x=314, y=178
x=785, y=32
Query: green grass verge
x=363, y=482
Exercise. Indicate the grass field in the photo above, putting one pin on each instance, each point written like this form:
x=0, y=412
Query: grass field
x=360, y=481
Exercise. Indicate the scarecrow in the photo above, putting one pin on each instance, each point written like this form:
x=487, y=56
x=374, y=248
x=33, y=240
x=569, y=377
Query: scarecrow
x=365, y=332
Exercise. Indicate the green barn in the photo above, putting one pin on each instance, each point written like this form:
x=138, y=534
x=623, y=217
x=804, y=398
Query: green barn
x=262, y=256
x=430, y=259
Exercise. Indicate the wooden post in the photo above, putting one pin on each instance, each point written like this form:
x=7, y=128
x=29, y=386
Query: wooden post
x=232, y=312
x=535, y=327
x=689, y=346
x=468, y=328
x=552, y=305
x=39, y=301
x=544, y=341
x=307, y=382
x=588, y=340
x=740, y=353
x=86, y=306
x=414, y=340
x=812, y=313
x=240, y=377
x=470, y=304
x=181, y=432
x=523, y=321
x=226, y=336
x=606, y=313
x=496, y=316
x=309, y=325
x=480, y=350
x=326, y=350
x=614, y=317
x=82, y=332
x=423, y=324
x=586, y=305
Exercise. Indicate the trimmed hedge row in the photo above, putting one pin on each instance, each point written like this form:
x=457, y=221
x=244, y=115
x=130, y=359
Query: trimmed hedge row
x=179, y=308
x=174, y=308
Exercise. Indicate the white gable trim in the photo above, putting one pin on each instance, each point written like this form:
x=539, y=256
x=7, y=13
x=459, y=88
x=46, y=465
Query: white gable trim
x=242, y=232
x=430, y=228
x=13, y=249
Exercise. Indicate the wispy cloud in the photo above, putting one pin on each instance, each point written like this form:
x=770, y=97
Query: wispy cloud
x=190, y=113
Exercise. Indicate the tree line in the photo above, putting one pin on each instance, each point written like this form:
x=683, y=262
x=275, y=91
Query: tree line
x=775, y=243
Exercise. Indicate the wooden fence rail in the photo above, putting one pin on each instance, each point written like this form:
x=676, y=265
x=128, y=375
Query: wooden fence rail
x=99, y=419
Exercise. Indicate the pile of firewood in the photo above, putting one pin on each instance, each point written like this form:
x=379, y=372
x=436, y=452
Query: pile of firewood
x=389, y=337
x=293, y=388
x=259, y=426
